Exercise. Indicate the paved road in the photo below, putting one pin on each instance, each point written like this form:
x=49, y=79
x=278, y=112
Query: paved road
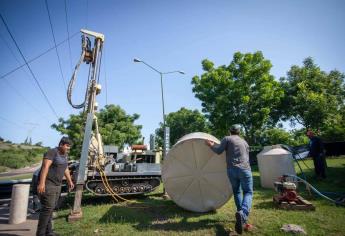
x=22, y=171
x=27, y=228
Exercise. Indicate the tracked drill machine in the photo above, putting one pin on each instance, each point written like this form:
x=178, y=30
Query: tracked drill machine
x=99, y=173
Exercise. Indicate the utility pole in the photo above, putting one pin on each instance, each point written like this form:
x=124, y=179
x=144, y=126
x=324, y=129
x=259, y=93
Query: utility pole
x=166, y=129
x=92, y=57
x=28, y=139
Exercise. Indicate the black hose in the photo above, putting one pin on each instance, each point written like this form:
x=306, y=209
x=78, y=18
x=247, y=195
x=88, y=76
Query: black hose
x=72, y=82
x=86, y=45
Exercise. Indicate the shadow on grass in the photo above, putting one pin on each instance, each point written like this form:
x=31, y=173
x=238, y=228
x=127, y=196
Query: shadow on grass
x=161, y=215
x=335, y=181
x=91, y=199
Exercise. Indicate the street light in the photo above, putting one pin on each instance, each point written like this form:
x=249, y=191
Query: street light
x=162, y=93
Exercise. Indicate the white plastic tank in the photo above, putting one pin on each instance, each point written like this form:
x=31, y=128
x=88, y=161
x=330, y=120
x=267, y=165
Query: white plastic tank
x=194, y=176
x=273, y=162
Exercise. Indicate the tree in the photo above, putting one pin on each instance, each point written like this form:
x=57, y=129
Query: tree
x=39, y=144
x=313, y=98
x=334, y=127
x=273, y=136
x=243, y=92
x=182, y=122
x=115, y=126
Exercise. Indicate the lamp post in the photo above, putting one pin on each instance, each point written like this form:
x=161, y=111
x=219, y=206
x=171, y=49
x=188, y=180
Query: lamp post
x=162, y=94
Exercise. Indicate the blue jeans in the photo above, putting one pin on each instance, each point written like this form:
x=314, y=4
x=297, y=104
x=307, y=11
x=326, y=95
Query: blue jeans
x=242, y=179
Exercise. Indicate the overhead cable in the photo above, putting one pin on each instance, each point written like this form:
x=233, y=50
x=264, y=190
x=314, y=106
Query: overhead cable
x=26, y=63
x=35, y=58
x=13, y=54
x=69, y=44
x=26, y=100
x=57, y=53
x=105, y=79
x=11, y=122
x=13, y=87
x=87, y=13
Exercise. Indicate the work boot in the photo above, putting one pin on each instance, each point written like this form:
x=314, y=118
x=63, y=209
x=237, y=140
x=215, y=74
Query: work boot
x=239, y=223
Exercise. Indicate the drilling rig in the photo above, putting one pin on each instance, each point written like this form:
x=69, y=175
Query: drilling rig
x=98, y=173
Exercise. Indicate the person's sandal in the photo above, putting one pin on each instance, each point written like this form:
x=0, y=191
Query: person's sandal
x=239, y=223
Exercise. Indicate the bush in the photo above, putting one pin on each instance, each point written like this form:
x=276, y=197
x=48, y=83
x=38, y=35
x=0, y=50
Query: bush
x=3, y=169
x=280, y=136
x=18, y=158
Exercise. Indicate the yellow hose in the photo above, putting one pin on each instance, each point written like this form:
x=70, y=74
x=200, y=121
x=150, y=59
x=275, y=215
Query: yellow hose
x=107, y=185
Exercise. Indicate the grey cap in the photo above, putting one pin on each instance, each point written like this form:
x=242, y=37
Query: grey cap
x=235, y=128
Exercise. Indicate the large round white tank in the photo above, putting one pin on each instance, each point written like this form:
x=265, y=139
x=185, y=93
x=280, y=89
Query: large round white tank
x=194, y=176
x=273, y=162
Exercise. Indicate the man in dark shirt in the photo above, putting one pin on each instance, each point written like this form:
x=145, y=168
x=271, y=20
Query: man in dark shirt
x=54, y=167
x=239, y=174
x=316, y=151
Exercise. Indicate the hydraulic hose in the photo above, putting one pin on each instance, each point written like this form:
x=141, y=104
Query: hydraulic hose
x=72, y=82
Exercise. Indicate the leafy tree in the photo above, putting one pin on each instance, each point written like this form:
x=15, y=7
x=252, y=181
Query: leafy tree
x=273, y=136
x=299, y=137
x=38, y=144
x=73, y=127
x=313, y=98
x=115, y=126
x=334, y=127
x=182, y=122
x=243, y=92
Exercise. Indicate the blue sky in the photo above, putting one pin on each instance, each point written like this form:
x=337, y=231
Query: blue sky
x=169, y=35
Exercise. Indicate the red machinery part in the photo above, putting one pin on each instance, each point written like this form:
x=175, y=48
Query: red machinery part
x=139, y=147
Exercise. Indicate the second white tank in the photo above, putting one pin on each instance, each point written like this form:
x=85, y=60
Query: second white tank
x=273, y=162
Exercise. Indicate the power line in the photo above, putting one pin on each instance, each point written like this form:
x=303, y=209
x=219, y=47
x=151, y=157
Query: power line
x=33, y=75
x=13, y=54
x=26, y=100
x=69, y=44
x=40, y=55
x=87, y=12
x=11, y=122
x=57, y=53
x=105, y=79
x=13, y=87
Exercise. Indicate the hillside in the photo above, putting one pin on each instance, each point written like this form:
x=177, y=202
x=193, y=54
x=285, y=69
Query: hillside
x=14, y=156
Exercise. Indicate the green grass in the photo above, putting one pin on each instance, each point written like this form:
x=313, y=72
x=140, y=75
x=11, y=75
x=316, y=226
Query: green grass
x=152, y=215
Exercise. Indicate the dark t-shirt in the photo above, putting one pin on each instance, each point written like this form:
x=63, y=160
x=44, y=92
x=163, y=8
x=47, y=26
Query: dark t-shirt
x=315, y=147
x=57, y=169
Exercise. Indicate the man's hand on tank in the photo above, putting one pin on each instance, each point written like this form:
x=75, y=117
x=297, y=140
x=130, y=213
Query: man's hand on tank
x=209, y=143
